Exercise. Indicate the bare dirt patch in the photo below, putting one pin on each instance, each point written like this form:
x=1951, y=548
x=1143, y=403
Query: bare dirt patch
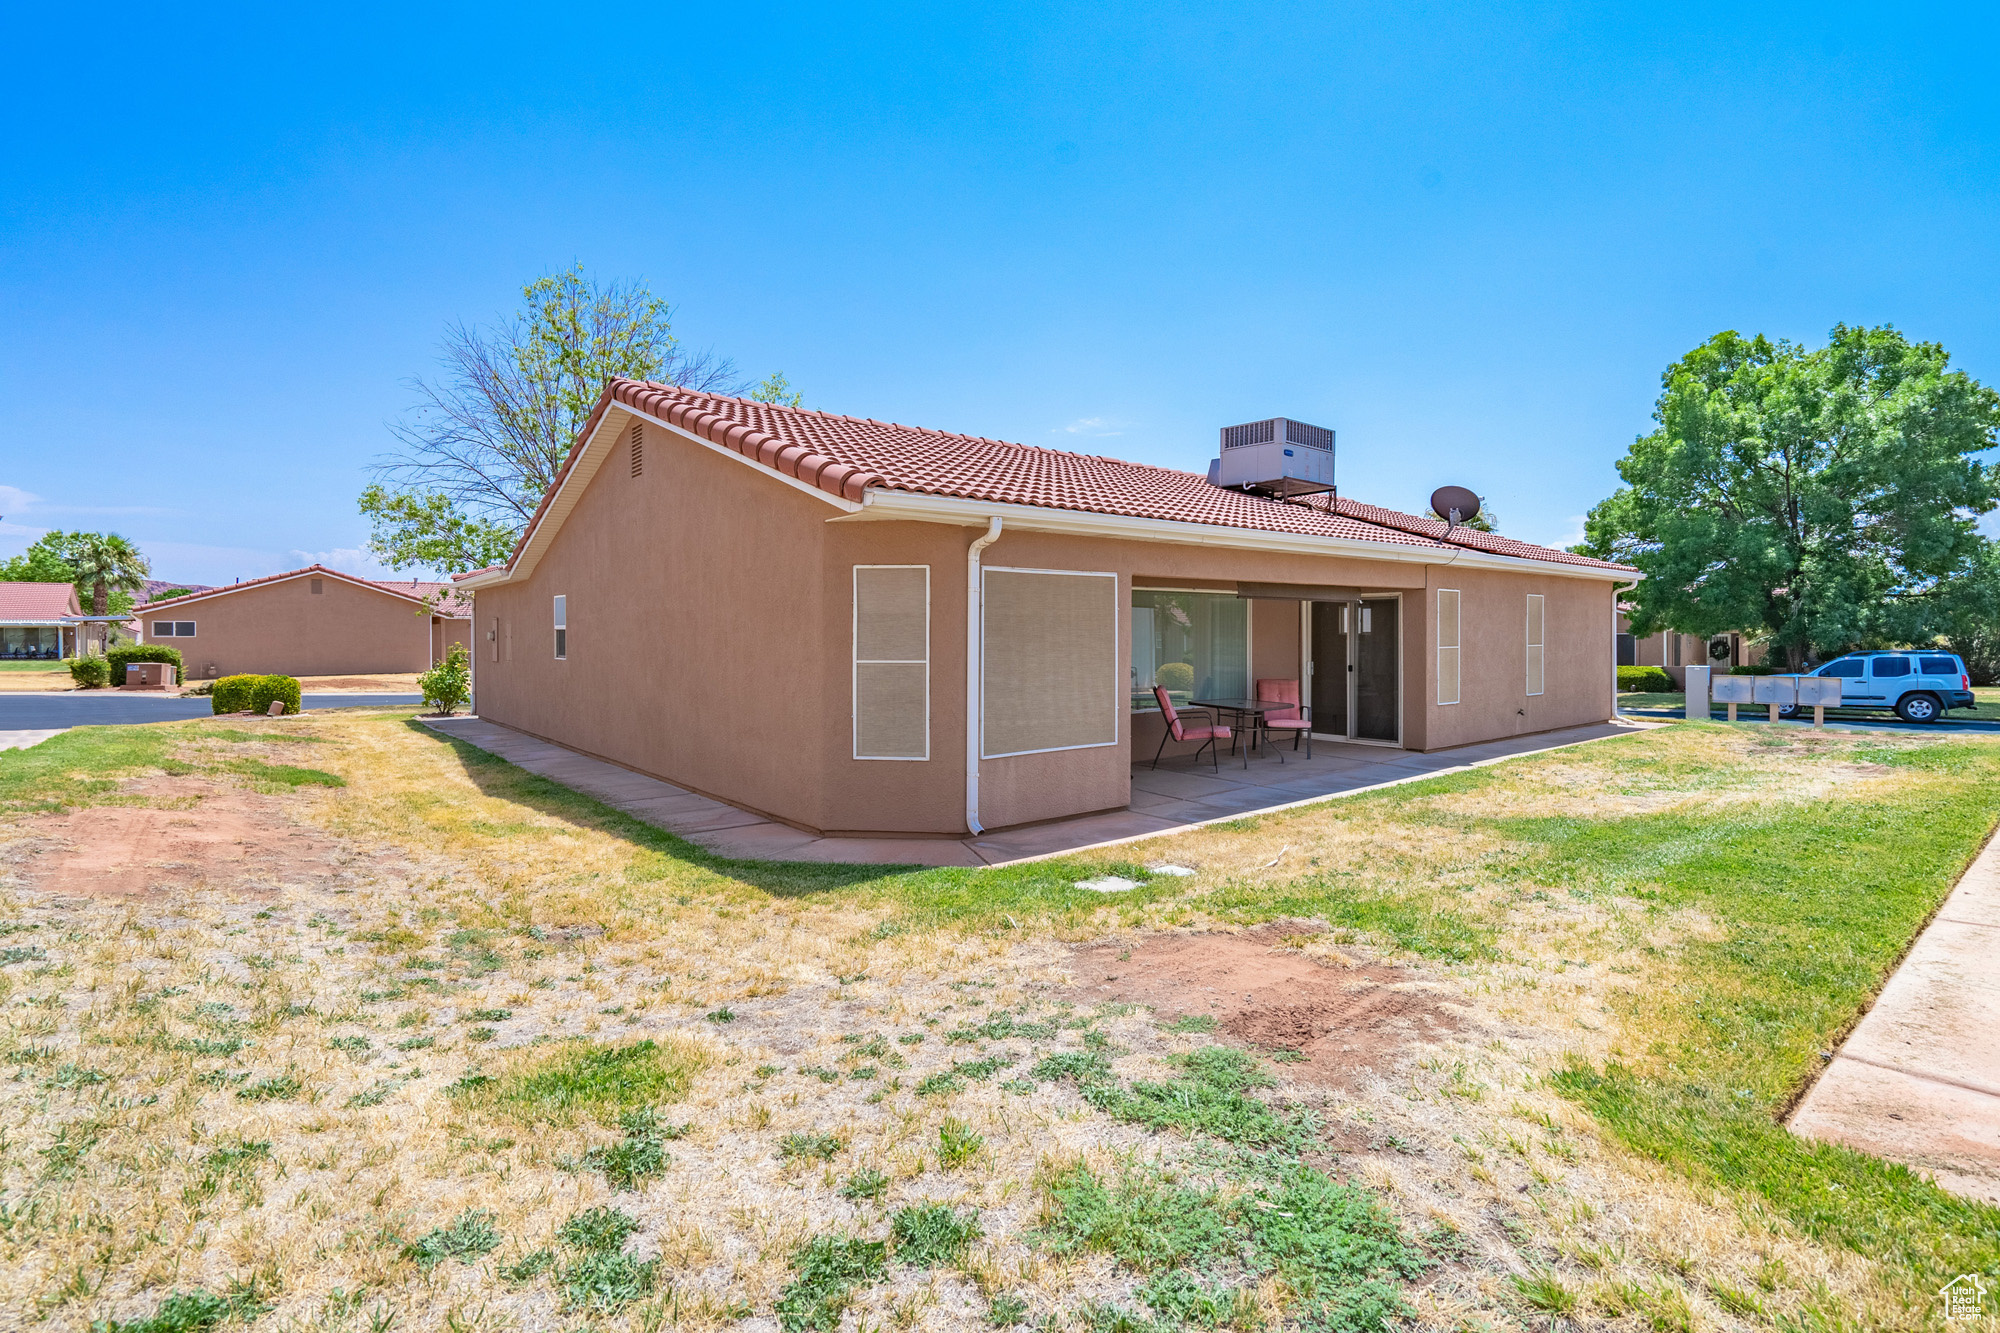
x=208, y=837
x=1347, y=1019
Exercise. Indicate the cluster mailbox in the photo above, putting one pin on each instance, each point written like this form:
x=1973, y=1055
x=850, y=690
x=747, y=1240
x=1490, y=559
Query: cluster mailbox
x=1815, y=692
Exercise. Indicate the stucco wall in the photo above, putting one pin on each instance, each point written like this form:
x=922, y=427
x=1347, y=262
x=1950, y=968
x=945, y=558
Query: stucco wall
x=1493, y=698
x=285, y=628
x=695, y=602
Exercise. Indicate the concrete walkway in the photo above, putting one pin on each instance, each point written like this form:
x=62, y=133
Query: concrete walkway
x=1918, y=1081
x=1175, y=797
x=21, y=740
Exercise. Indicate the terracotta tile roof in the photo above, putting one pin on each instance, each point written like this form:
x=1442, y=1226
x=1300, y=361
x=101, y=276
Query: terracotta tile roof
x=454, y=604
x=845, y=456
x=23, y=603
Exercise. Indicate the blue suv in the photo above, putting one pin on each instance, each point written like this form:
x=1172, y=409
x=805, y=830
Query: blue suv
x=1919, y=686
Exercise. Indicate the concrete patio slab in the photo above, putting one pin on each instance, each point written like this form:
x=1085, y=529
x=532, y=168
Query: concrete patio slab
x=1163, y=801
x=1918, y=1080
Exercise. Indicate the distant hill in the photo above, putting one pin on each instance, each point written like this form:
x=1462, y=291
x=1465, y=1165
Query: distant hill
x=154, y=587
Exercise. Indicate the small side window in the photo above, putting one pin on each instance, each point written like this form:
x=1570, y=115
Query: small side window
x=163, y=629
x=1891, y=666
x=183, y=629
x=562, y=627
x=1941, y=666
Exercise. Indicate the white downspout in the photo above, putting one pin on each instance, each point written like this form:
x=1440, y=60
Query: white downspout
x=1618, y=590
x=974, y=653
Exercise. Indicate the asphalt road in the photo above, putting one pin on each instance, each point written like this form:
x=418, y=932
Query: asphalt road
x=1883, y=722
x=37, y=712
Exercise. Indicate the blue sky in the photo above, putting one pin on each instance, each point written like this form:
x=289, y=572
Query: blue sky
x=1467, y=237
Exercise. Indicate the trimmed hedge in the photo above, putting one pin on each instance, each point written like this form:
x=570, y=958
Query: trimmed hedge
x=1754, y=671
x=89, y=673
x=119, y=658
x=238, y=694
x=1645, y=679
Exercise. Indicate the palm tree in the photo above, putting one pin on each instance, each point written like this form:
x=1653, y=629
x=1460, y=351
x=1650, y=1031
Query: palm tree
x=106, y=562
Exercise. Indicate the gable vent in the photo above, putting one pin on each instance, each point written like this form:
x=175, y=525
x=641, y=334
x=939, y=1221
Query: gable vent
x=638, y=448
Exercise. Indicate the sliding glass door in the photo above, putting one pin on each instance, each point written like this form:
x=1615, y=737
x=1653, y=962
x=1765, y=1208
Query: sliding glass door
x=1355, y=665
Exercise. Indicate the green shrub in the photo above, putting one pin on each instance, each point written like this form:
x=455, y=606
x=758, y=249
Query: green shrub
x=119, y=658
x=231, y=694
x=236, y=694
x=448, y=685
x=269, y=689
x=1175, y=678
x=1645, y=679
x=1753, y=671
x=89, y=673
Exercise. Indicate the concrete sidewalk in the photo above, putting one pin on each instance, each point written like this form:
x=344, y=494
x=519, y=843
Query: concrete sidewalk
x=1177, y=796
x=1918, y=1081
x=21, y=740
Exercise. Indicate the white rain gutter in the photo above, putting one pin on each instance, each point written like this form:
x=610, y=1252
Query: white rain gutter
x=1618, y=590
x=974, y=651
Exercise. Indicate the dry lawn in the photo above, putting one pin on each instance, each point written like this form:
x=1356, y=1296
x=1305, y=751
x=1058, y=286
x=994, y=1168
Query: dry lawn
x=278, y=1059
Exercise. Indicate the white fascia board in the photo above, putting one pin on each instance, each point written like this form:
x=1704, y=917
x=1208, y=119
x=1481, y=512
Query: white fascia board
x=885, y=505
x=587, y=464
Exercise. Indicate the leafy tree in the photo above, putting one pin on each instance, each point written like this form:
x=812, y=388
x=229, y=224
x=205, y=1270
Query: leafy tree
x=41, y=563
x=777, y=389
x=1970, y=614
x=1821, y=498
x=489, y=436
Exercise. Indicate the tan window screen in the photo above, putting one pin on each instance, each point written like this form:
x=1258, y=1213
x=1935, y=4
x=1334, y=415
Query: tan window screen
x=1535, y=651
x=1448, y=646
x=1051, y=675
x=892, y=670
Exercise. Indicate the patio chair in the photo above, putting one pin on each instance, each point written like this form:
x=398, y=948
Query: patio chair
x=1178, y=730
x=1297, y=719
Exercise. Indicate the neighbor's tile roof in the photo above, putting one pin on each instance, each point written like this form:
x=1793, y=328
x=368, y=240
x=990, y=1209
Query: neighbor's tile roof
x=845, y=456
x=26, y=603
x=453, y=604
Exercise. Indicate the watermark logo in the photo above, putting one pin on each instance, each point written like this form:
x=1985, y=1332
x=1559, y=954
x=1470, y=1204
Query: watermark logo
x=1962, y=1296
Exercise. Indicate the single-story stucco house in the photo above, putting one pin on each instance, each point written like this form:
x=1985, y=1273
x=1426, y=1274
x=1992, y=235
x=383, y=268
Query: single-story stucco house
x=38, y=621
x=309, y=622
x=857, y=627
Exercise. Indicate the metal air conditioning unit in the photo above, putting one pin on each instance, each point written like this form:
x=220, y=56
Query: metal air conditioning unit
x=1279, y=458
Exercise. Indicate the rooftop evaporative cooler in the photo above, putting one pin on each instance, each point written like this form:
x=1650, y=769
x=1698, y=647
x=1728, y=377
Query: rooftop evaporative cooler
x=1280, y=458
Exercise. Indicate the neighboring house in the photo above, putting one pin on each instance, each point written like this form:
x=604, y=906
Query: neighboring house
x=309, y=622
x=777, y=607
x=38, y=620
x=1675, y=651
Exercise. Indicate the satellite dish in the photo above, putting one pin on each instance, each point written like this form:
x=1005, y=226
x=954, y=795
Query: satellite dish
x=1455, y=505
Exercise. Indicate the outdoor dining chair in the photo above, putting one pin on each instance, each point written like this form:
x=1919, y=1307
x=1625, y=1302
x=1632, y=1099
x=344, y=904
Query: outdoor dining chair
x=1178, y=730
x=1297, y=720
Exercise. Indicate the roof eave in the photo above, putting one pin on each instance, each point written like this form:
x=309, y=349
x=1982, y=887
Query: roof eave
x=881, y=504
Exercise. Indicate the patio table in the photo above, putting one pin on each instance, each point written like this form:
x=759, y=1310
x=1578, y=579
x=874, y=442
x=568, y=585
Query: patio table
x=1250, y=708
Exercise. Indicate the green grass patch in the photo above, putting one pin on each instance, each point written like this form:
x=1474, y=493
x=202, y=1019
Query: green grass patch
x=580, y=1079
x=932, y=1235
x=470, y=1235
x=280, y=775
x=81, y=767
x=826, y=1271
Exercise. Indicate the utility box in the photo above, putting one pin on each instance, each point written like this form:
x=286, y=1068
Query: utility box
x=1696, y=686
x=149, y=675
x=1279, y=458
x=1819, y=691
